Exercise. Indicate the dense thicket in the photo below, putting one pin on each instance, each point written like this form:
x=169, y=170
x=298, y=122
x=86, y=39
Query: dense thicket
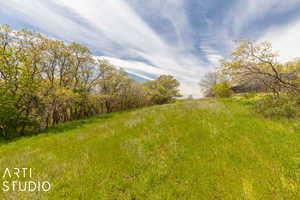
x=44, y=82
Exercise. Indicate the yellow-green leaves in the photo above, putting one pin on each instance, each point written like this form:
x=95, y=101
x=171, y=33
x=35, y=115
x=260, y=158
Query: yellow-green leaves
x=48, y=81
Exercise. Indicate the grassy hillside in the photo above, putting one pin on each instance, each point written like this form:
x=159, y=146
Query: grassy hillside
x=210, y=149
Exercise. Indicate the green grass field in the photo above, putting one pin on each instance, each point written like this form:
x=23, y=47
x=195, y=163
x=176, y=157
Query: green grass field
x=208, y=149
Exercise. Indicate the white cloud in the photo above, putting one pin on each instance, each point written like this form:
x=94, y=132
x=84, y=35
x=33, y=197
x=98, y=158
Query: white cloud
x=114, y=28
x=241, y=15
x=135, y=67
x=126, y=27
x=115, y=24
x=247, y=11
x=285, y=40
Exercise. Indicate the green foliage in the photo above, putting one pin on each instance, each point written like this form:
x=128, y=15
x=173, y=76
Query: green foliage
x=208, y=149
x=249, y=98
x=222, y=90
x=163, y=90
x=47, y=81
x=255, y=67
x=282, y=106
x=12, y=120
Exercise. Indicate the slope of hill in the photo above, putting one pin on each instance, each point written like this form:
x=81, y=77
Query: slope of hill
x=209, y=149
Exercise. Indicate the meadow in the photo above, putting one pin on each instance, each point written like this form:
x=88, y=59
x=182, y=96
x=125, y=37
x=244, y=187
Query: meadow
x=196, y=149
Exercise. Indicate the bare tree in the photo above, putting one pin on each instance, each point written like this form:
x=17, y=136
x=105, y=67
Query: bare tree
x=207, y=82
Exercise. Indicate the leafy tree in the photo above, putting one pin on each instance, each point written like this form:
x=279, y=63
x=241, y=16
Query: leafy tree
x=257, y=62
x=163, y=90
x=222, y=90
x=44, y=82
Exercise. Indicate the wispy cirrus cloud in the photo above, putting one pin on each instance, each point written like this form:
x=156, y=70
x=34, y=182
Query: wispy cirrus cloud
x=114, y=29
x=285, y=40
x=184, y=38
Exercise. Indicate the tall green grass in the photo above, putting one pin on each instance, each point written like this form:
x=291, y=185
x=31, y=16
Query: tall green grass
x=211, y=149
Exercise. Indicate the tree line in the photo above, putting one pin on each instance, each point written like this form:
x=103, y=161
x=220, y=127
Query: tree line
x=45, y=81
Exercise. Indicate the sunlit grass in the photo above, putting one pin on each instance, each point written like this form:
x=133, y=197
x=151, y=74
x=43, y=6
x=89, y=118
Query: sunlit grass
x=211, y=149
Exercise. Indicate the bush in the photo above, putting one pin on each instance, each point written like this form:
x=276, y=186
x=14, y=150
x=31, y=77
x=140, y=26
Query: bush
x=222, y=90
x=277, y=107
x=12, y=121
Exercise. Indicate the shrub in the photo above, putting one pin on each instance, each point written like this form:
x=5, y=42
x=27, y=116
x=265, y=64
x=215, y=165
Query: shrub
x=277, y=107
x=13, y=123
x=222, y=90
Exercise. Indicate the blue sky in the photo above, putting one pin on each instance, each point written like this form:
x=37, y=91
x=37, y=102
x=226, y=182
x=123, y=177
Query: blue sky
x=184, y=38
